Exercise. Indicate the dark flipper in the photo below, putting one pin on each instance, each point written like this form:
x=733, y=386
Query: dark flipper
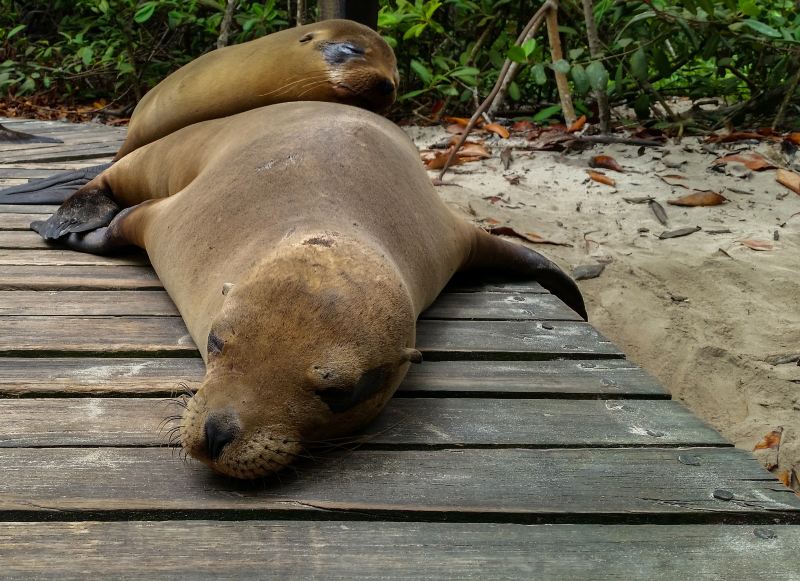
x=84, y=211
x=106, y=240
x=497, y=256
x=52, y=190
x=10, y=136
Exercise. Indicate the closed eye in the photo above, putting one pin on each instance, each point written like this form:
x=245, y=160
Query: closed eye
x=340, y=52
x=341, y=400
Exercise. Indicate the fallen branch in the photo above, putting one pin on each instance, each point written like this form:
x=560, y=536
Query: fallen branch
x=561, y=79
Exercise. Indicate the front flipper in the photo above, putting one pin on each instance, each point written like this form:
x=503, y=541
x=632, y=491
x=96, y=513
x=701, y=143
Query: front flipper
x=495, y=255
x=105, y=240
x=52, y=190
x=84, y=211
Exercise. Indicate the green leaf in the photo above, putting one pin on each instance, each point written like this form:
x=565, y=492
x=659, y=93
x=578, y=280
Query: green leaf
x=103, y=6
x=642, y=106
x=580, y=79
x=598, y=75
x=575, y=53
x=15, y=30
x=547, y=113
x=415, y=31
x=623, y=42
x=639, y=65
x=529, y=46
x=513, y=91
x=145, y=12
x=410, y=94
x=422, y=71
x=86, y=53
x=762, y=28
x=517, y=54
x=561, y=66
x=466, y=73
x=538, y=74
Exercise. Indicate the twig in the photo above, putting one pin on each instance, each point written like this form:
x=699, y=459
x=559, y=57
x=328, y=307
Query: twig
x=556, y=55
x=596, y=50
x=786, y=100
x=529, y=30
x=225, y=27
x=572, y=138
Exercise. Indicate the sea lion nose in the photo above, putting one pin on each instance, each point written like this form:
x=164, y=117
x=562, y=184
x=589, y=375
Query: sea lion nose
x=385, y=87
x=221, y=429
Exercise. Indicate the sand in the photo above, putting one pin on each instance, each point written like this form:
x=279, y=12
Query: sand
x=715, y=321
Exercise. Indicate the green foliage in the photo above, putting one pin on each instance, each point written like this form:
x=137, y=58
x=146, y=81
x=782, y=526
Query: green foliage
x=447, y=50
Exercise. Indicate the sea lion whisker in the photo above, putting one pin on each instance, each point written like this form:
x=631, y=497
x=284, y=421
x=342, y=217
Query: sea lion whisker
x=321, y=74
x=310, y=88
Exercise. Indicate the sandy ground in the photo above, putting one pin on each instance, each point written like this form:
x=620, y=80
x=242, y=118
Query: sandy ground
x=716, y=322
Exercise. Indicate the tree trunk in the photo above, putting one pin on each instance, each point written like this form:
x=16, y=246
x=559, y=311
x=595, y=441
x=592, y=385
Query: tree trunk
x=596, y=51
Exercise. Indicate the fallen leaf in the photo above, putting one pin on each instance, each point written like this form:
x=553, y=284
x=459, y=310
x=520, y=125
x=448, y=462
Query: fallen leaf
x=455, y=129
x=462, y=121
x=757, y=245
x=786, y=478
x=659, y=212
x=752, y=161
x=793, y=138
x=513, y=179
x=587, y=271
x=492, y=199
x=640, y=200
x=601, y=178
x=474, y=150
x=453, y=141
x=789, y=179
x=606, y=162
x=437, y=159
x=738, y=136
x=498, y=129
x=771, y=441
x=523, y=125
x=679, y=232
x=491, y=221
x=674, y=180
x=577, y=125
x=699, y=199
x=528, y=236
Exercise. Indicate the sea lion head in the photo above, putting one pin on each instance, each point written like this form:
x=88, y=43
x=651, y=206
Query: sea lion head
x=311, y=345
x=361, y=68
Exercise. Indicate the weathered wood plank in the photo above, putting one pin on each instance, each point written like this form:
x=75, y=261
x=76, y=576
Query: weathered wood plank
x=74, y=140
x=421, y=422
x=467, y=283
x=607, y=378
x=65, y=258
x=469, y=306
x=26, y=240
x=39, y=336
x=19, y=220
x=622, y=484
x=70, y=277
x=28, y=209
x=214, y=549
x=63, y=153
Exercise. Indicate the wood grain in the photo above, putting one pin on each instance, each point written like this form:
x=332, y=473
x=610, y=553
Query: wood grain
x=66, y=258
x=19, y=221
x=72, y=277
x=418, y=422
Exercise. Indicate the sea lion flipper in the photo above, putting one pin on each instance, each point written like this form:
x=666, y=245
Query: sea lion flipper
x=53, y=190
x=84, y=211
x=493, y=254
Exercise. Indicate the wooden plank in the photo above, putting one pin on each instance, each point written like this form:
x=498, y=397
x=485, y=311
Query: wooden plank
x=75, y=140
x=30, y=277
x=337, y=549
x=467, y=283
x=600, y=378
x=63, y=153
x=19, y=220
x=499, y=306
x=28, y=208
x=419, y=422
x=65, y=258
x=510, y=485
x=43, y=336
x=27, y=240
x=468, y=306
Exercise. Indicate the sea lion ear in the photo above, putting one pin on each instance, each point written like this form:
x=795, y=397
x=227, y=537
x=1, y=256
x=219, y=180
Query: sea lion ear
x=411, y=355
x=226, y=288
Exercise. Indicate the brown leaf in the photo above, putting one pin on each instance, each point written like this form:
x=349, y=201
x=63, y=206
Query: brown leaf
x=757, y=244
x=602, y=178
x=492, y=199
x=462, y=121
x=455, y=129
x=789, y=179
x=577, y=125
x=793, y=138
x=491, y=221
x=528, y=236
x=737, y=136
x=699, y=199
x=674, y=180
x=771, y=441
x=659, y=212
x=606, y=162
x=498, y=129
x=437, y=159
x=679, y=232
x=477, y=150
x=752, y=161
x=523, y=125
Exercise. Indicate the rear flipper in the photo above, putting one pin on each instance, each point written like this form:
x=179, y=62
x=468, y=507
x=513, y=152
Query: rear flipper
x=84, y=211
x=495, y=255
x=52, y=190
x=105, y=240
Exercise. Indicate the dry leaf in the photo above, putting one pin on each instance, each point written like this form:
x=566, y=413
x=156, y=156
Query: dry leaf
x=736, y=136
x=577, y=125
x=602, y=178
x=476, y=150
x=793, y=138
x=679, y=232
x=771, y=441
x=606, y=162
x=455, y=129
x=528, y=236
x=523, y=125
x=492, y=199
x=498, y=129
x=437, y=159
x=752, y=161
x=462, y=121
x=491, y=221
x=789, y=179
x=659, y=212
x=699, y=199
x=757, y=244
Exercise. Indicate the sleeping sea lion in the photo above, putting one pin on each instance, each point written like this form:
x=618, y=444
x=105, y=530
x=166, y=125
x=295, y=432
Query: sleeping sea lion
x=332, y=60
x=300, y=242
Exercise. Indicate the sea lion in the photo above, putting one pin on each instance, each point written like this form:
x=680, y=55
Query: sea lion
x=300, y=242
x=332, y=60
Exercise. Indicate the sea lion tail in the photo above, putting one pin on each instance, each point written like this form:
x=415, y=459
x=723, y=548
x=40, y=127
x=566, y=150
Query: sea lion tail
x=495, y=255
x=52, y=190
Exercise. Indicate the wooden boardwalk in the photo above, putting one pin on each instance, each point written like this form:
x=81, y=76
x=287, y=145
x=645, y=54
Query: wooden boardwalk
x=525, y=446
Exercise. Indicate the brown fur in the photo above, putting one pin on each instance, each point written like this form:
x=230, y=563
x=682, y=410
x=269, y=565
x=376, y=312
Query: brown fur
x=301, y=249
x=273, y=69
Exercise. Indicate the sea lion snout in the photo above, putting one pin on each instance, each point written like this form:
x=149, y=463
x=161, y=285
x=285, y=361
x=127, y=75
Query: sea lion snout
x=221, y=428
